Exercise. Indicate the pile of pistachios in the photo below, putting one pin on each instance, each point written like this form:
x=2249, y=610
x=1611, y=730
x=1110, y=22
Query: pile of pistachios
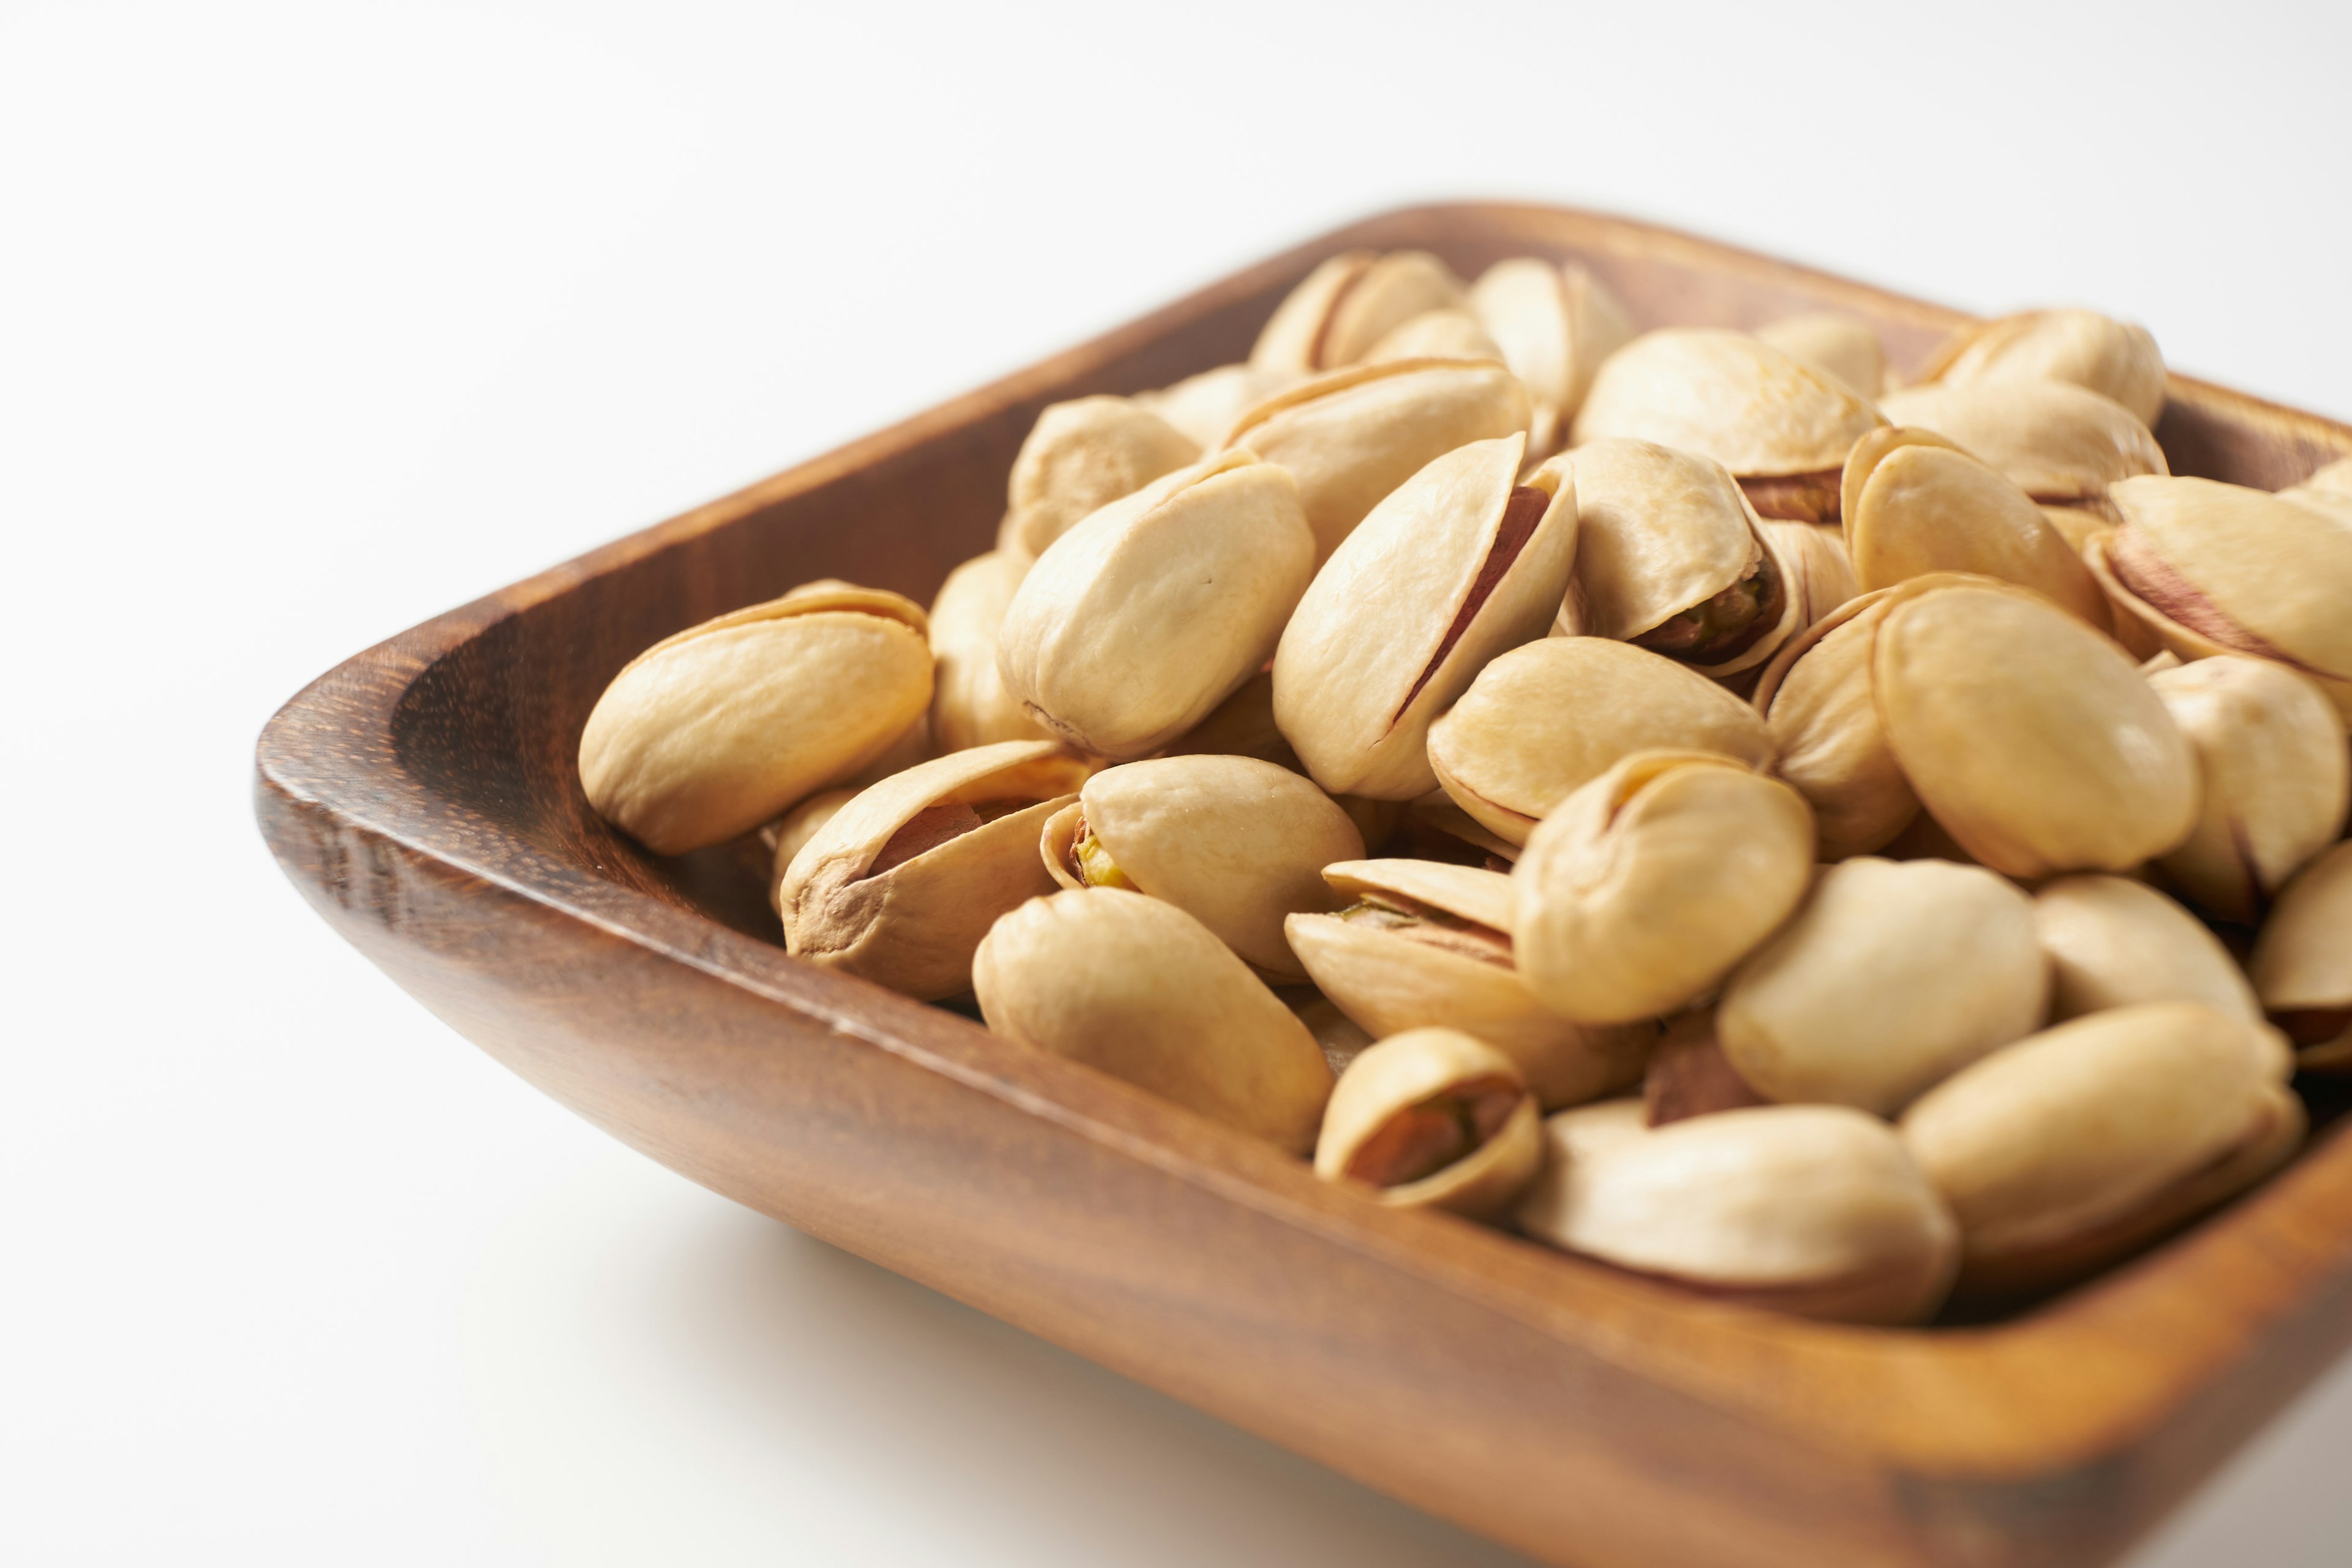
x=1664, y=793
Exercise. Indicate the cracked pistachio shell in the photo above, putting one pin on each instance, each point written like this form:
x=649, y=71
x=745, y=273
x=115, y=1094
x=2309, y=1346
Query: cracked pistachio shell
x=1398, y=1075
x=2068, y=1148
x=1892, y=976
x=1136, y=623
x=709, y=734
x=1819, y=568
x=2112, y=358
x=793, y=829
x=1846, y=348
x=1652, y=881
x=1140, y=990
x=1660, y=534
x=1812, y=1209
x=1348, y=304
x=2034, y=740
x=2057, y=442
x=1457, y=564
x=1081, y=456
x=1204, y=407
x=2303, y=960
x=2277, y=779
x=1354, y=436
x=1823, y=721
x=1555, y=322
x=1914, y=503
x=1235, y=842
x=900, y=885
x=970, y=706
x=1547, y=717
x=2114, y=943
x=1450, y=334
x=2214, y=568
x=1437, y=951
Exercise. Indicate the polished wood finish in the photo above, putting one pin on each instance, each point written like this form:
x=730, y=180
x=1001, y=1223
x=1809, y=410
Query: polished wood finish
x=423, y=797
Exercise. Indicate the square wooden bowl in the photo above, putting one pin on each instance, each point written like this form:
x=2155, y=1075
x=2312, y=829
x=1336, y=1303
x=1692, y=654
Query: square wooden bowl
x=423, y=796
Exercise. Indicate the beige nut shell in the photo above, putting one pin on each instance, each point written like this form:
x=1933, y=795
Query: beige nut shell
x=2057, y=442
x=1555, y=322
x=970, y=706
x=2115, y=358
x=1404, y=1069
x=1819, y=570
x=1080, y=455
x=1449, y=333
x=2303, y=960
x=2116, y=943
x=1846, y=348
x=1729, y=396
x=1204, y=407
x=1339, y=310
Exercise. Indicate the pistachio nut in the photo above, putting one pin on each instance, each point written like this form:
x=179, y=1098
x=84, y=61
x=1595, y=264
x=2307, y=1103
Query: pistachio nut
x=1241, y=726
x=1782, y=427
x=2061, y=443
x=1081, y=456
x=1650, y=882
x=1819, y=570
x=1433, y=1118
x=1690, y=1076
x=1450, y=334
x=1354, y=436
x=1812, y=1209
x=1341, y=1038
x=1456, y=565
x=1425, y=943
x=1846, y=348
x=1555, y=322
x=1204, y=407
x=2070, y=1147
x=1136, y=623
x=2114, y=943
x=1348, y=303
x=2214, y=568
x=795, y=827
x=1892, y=976
x=1671, y=558
x=2113, y=359
x=711, y=732
x=2333, y=480
x=1549, y=716
x=2277, y=779
x=900, y=884
x=2303, y=961
x=1236, y=843
x=970, y=706
x=1138, y=988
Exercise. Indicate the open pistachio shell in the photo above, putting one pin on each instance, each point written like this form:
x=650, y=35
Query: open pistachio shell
x=1354, y=436
x=1555, y=322
x=2114, y=942
x=2276, y=774
x=1450, y=334
x=712, y=731
x=2303, y=961
x=1810, y=1209
x=1236, y=843
x=1204, y=407
x=1081, y=456
x=2061, y=443
x=2050, y=1149
x=1427, y=943
x=1846, y=348
x=2112, y=358
x=795, y=829
x=1136, y=623
x=1650, y=882
x=970, y=706
x=1348, y=303
x=1433, y=1118
x=1819, y=570
x=901, y=883
x=1141, y=990
x=1457, y=564
x=1549, y=716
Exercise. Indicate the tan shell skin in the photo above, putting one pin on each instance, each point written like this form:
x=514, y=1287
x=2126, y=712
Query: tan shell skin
x=1822, y=719
x=1080, y=455
x=1729, y=396
x=1550, y=716
x=913, y=927
x=2072, y=1131
x=1350, y=692
x=1819, y=567
x=2333, y=479
x=1241, y=726
x=1348, y=303
x=1138, y=988
x=1846, y=348
x=1391, y=983
x=2277, y=778
x=970, y=706
x=1204, y=407
x=2113, y=358
x=1236, y=843
x=1450, y=334
x=2032, y=739
x=1404, y=1069
x=1657, y=532
x=1652, y=881
x=2059, y=443
x=2303, y=960
x=2116, y=943
x=795, y=829
x=1554, y=323
x=1354, y=436
x=1812, y=1209
x=712, y=731
x=1891, y=977
x=1136, y=623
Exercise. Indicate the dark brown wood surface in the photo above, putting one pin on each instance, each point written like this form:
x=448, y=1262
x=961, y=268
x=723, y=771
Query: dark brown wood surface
x=423, y=797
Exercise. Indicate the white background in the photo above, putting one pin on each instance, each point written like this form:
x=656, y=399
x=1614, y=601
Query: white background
x=315, y=321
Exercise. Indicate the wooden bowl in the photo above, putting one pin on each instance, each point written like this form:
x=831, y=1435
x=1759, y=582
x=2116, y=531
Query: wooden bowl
x=423, y=797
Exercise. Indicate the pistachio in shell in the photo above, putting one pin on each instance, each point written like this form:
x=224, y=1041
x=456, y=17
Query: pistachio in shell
x=1457, y=564
x=1820, y=570
x=1204, y=407
x=714, y=730
x=1241, y=726
x=1846, y=348
x=1555, y=322
x=2303, y=961
x=1350, y=303
x=2115, y=358
x=1433, y=1118
x=2062, y=445
x=1135, y=625
x=785, y=836
x=970, y=706
x=1649, y=883
x=2331, y=480
x=1081, y=456
x=2114, y=942
x=1342, y=1037
x=1139, y=989
x=1450, y=334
